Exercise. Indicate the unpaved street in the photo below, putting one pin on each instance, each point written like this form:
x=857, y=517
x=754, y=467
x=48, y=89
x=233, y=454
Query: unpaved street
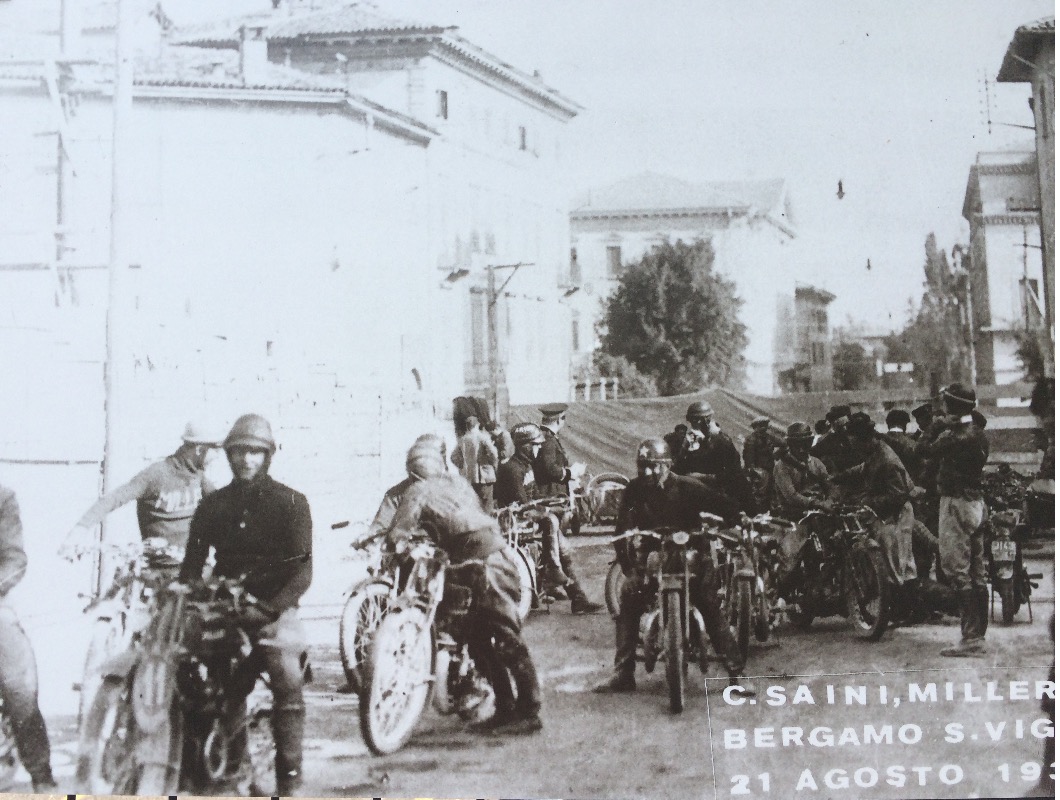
x=629, y=745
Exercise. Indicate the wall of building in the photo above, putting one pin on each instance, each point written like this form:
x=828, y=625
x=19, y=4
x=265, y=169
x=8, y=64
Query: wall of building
x=1043, y=86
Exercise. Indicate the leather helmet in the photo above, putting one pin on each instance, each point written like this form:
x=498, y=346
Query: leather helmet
x=196, y=432
x=527, y=433
x=426, y=457
x=251, y=430
x=654, y=451
x=799, y=431
x=700, y=408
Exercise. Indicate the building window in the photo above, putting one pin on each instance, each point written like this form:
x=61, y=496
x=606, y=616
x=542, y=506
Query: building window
x=575, y=268
x=575, y=321
x=614, y=261
x=522, y=137
x=443, y=104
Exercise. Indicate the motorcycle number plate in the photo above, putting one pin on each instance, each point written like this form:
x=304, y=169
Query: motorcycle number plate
x=1003, y=550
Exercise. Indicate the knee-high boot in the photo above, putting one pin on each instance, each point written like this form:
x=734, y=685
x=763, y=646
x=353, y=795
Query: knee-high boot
x=288, y=729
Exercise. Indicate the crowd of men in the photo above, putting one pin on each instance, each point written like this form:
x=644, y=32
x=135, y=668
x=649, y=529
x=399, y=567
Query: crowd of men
x=924, y=487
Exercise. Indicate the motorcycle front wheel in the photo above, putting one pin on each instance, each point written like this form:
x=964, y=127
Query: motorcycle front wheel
x=868, y=593
x=743, y=617
x=361, y=615
x=397, y=680
x=1005, y=588
x=613, y=584
x=161, y=756
x=106, y=638
x=524, y=562
x=674, y=649
x=105, y=758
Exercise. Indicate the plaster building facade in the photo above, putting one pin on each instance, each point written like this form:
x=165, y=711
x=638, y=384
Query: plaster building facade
x=749, y=224
x=1005, y=261
x=1031, y=58
x=294, y=246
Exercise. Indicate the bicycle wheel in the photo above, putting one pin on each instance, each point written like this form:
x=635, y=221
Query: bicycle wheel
x=868, y=593
x=396, y=680
x=674, y=648
x=361, y=615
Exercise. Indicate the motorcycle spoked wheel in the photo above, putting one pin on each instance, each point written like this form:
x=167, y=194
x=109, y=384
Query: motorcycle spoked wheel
x=105, y=642
x=613, y=584
x=397, y=680
x=527, y=569
x=361, y=615
x=106, y=761
x=868, y=593
x=674, y=650
x=159, y=773
x=743, y=618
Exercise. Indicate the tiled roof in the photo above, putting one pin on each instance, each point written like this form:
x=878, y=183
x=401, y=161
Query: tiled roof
x=1023, y=48
x=219, y=69
x=650, y=191
x=348, y=19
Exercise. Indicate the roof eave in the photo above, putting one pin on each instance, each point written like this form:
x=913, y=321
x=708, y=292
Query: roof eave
x=597, y=213
x=1023, y=48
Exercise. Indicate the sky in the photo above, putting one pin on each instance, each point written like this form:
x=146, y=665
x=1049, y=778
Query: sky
x=886, y=96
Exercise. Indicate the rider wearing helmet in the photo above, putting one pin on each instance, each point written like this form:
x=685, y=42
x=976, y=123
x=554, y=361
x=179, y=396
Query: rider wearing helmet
x=445, y=506
x=384, y=516
x=261, y=527
x=711, y=456
x=515, y=484
x=659, y=498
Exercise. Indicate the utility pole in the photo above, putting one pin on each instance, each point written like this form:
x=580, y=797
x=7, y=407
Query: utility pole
x=117, y=310
x=493, y=294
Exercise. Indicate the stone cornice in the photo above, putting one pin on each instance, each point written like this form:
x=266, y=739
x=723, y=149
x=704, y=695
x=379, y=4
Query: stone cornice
x=1021, y=168
x=1012, y=218
x=657, y=213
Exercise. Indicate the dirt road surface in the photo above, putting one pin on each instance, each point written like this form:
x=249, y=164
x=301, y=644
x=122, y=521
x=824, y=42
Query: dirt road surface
x=631, y=746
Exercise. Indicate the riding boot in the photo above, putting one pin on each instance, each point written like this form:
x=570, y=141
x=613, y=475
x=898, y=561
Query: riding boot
x=513, y=653
x=579, y=602
x=969, y=646
x=551, y=558
x=982, y=607
x=288, y=729
x=627, y=632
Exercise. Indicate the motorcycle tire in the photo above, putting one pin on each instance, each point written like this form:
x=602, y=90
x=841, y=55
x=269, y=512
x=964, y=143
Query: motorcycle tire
x=868, y=594
x=363, y=611
x=396, y=681
x=674, y=649
x=527, y=569
x=160, y=776
x=106, y=636
x=1007, y=592
x=743, y=618
x=105, y=753
x=763, y=609
x=613, y=584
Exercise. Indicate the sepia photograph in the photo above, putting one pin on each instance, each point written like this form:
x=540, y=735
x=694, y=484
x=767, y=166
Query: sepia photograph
x=528, y=398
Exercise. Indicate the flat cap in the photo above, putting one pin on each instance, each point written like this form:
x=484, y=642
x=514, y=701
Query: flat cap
x=553, y=409
x=759, y=422
x=837, y=412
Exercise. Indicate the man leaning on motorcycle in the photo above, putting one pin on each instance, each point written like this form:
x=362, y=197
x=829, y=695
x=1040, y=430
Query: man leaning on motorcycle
x=446, y=508
x=657, y=498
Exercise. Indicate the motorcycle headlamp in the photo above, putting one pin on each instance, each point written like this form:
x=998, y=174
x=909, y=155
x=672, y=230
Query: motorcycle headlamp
x=680, y=538
x=652, y=563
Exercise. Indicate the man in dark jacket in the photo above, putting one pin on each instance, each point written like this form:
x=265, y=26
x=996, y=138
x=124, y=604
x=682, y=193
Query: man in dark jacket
x=447, y=509
x=710, y=455
x=658, y=498
x=882, y=483
x=18, y=667
x=833, y=448
x=961, y=449
x=759, y=446
x=800, y=483
x=166, y=494
x=553, y=474
x=261, y=527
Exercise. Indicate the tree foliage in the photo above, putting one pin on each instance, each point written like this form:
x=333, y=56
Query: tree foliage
x=935, y=339
x=852, y=369
x=675, y=320
x=631, y=381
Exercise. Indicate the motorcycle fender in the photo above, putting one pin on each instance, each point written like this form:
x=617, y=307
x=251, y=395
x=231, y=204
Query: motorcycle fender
x=698, y=630
x=1003, y=571
x=443, y=701
x=121, y=665
x=154, y=686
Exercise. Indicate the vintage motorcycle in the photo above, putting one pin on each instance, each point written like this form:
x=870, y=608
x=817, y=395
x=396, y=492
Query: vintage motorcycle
x=840, y=571
x=522, y=527
x=364, y=608
x=158, y=724
x=1004, y=536
x=672, y=628
x=141, y=569
x=422, y=643
x=746, y=561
